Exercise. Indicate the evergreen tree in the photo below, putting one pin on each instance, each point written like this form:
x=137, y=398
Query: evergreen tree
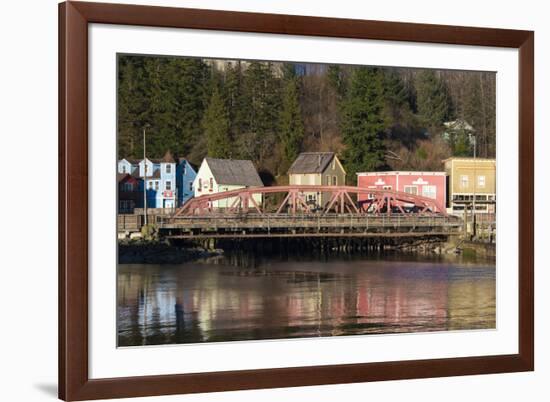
x=130, y=107
x=363, y=122
x=396, y=98
x=261, y=103
x=166, y=93
x=291, y=131
x=395, y=92
x=460, y=144
x=337, y=80
x=432, y=101
x=216, y=127
x=235, y=99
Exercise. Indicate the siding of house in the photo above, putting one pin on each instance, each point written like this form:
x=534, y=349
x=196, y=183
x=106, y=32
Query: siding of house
x=205, y=183
x=333, y=174
x=160, y=184
x=124, y=166
x=469, y=176
x=185, y=176
x=427, y=184
x=129, y=194
x=167, y=196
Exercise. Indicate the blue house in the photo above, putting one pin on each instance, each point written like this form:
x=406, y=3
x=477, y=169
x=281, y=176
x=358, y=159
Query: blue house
x=159, y=176
x=185, y=175
x=169, y=182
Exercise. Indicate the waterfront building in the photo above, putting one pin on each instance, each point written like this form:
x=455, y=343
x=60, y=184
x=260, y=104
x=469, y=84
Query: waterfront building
x=469, y=179
x=219, y=175
x=458, y=127
x=426, y=184
x=185, y=176
x=317, y=168
x=130, y=193
x=158, y=176
x=128, y=166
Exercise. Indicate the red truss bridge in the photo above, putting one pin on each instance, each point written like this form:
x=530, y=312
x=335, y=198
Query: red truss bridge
x=309, y=210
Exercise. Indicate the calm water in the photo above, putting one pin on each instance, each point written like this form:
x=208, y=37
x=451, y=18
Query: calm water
x=242, y=298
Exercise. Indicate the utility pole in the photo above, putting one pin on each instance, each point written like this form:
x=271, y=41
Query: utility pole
x=144, y=179
x=475, y=184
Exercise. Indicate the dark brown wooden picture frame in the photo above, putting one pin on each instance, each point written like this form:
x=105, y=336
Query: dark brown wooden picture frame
x=74, y=382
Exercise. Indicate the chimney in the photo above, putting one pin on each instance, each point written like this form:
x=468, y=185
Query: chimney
x=319, y=161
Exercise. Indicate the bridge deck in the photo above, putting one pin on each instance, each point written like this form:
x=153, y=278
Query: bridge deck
x=302, y=225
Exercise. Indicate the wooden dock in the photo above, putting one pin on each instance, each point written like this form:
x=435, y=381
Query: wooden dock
x=308, y=225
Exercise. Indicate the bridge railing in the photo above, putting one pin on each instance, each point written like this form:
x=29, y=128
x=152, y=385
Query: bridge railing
x=341, y=200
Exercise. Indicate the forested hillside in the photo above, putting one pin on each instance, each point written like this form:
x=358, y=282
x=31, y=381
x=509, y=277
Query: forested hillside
x=374, y=118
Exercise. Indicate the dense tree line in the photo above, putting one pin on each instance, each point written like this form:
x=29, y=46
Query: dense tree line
x=374, y=118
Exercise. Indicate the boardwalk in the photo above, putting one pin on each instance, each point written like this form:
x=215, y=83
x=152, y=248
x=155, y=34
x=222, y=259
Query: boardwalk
x=308, y=225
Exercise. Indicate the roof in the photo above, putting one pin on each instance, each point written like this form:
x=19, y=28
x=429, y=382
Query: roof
x=469, y=158
x=234, y=172
x=156, y=175
x=311, y=162
x=121, y=176
x=182, y=160
x=402, y=173
x=131, y=161
x=168, y=158
x=458, y=124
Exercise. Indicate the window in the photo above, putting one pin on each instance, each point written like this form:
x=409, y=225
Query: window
x=183, y=168
x=168, y=168
x=150, y=185
x=386, y=187
x=481, y=181
x=156, y=185
x=190, y=186
x=124, y=169
x=328, y=180
x=463, y=181
x=429, y=191
x=333, y=163
x=211, y=184
x=334, y=180
x=127, y=187
x=411, y=190
x=168, y=185
x=125, y=205
x=200, y=185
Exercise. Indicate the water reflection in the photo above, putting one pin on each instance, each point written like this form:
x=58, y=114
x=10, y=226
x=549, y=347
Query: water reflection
x=236, y=299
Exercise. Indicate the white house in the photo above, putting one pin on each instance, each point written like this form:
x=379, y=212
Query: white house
x=219, y=175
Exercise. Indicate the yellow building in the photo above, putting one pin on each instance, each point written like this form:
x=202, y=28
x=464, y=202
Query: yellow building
x=472, y=181
x=317, y=169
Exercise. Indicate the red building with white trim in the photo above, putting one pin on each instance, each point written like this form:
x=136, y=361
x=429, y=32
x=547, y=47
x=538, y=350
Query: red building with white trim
x=427, y=184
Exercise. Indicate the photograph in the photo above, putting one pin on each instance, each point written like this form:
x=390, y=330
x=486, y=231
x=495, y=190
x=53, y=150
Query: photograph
x=261, y=199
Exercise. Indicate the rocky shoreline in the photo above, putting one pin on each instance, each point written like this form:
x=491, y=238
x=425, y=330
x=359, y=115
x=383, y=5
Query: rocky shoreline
x=152, y=252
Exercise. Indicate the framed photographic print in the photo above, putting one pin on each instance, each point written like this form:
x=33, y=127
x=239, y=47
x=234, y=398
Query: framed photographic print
x=260, y=200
